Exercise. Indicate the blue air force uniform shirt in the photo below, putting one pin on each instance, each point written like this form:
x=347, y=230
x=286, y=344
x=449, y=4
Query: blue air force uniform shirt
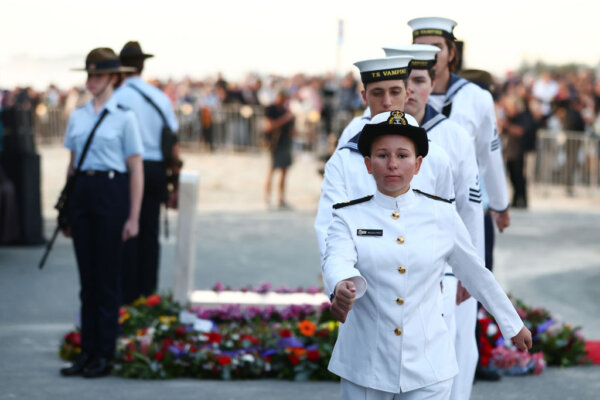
x=116, y=139
x=149, y=120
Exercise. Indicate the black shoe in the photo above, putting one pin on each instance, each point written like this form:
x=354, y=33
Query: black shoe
x=77, y=367
x=99, y=367
x=487, y=374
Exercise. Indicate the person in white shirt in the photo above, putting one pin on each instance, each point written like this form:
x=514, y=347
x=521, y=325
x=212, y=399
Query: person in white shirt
x=457, y=143
x=384, y=258
x=473, y=109
x=345, y=177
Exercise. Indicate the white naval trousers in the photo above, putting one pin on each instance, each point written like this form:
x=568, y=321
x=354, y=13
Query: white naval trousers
x=437, y=391
x=467, y=352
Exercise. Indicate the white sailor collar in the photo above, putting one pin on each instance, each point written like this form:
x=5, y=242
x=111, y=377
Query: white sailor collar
x=394, y=203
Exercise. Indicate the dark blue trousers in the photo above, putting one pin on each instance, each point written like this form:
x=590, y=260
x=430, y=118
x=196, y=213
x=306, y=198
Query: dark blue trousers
x=98, y=209
x=142, y=254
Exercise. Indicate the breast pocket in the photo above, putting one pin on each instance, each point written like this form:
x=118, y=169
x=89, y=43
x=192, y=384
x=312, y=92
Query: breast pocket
x=108, y=136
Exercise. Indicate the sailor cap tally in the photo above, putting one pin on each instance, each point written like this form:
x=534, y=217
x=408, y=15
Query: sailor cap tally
x=383, y=69
x=393, y=123
x=423, y=55
x=432, y=26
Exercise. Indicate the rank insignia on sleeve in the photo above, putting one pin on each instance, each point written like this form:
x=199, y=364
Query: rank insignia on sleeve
x=369, y=232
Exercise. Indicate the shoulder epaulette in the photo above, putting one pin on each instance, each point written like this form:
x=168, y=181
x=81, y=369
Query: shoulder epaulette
x=122, y=107
x=352, y=202
x=434, y=197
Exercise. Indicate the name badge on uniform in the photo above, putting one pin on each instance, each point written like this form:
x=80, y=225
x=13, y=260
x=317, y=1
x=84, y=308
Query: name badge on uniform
x=369, y=232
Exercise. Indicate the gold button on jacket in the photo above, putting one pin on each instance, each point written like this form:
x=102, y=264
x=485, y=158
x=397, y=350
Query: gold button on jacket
x=402, y=269
x=400, y=240
x=399, y=301
x=398, y=331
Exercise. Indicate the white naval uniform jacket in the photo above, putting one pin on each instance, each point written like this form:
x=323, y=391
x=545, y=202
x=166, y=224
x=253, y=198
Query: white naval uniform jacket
x=473, y=109
x=346, y=178
x=395, y=338
x=457, y=143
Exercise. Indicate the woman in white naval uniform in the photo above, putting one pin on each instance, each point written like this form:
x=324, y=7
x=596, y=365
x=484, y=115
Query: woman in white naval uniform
x=385, y=256
x=103, y=209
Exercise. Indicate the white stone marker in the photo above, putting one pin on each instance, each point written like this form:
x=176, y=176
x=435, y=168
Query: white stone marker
x=185, y=247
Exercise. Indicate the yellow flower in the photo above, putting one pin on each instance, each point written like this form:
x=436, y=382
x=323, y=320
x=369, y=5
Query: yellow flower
x=123, y=317
x=163, y=319
x=139, y=301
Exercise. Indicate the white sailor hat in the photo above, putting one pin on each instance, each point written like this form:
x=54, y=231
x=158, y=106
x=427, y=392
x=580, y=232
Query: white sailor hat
x=423, y=55
x=393, y=123
x=383, y=69
x=432, y=26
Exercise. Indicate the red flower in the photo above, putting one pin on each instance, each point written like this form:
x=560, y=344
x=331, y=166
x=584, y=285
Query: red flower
x=251, y=339
x=128, y=357
x=214, y=337
x=484, y=360
x=313, y=355
x=285, y=333
x=180, y=331
x=159, y=355
x=224, y=360
x=193, y=349
x=153, y=300
x=323, y=332
x=74, y=338
x=294, y=359
x=166, y=343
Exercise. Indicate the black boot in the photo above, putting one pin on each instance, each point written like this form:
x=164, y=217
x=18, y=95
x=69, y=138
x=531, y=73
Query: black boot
x=101, y=366
x=487, y=374
x=77, y=367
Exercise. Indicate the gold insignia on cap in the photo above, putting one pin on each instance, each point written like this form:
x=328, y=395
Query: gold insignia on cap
x=397, y=118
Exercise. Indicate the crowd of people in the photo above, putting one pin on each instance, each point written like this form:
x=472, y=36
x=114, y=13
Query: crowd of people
x=539, y=97
x=421, y=121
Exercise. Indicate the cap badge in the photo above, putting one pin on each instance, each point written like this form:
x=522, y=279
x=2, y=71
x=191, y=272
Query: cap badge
x=397, y=118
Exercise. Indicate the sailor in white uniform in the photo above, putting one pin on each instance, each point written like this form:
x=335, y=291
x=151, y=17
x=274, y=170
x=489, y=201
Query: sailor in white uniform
x=345, y=177
x=457, y=143
x=384, y=258
x=473, y=109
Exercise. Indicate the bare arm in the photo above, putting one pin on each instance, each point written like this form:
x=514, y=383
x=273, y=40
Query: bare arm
x=136, y=191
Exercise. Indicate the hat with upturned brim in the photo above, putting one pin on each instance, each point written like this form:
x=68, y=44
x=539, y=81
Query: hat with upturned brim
x=133, y=51
x=103, y=60
x=393, y=123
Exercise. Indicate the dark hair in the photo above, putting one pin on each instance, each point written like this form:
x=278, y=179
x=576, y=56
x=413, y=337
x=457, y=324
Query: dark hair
x=431, y=72
x=452, y=65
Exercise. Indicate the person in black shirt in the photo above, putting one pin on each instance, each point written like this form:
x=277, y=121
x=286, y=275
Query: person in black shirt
x=279, y=127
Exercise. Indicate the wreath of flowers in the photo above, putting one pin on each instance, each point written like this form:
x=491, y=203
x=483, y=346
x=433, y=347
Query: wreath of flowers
x=159, y=339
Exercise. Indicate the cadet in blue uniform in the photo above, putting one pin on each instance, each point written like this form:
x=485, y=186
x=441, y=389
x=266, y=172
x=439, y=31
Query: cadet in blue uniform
x=103, y=209
x=385, y=257
x=143, y=253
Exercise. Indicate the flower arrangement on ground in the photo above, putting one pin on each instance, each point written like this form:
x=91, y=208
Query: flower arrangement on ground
x=160, y=339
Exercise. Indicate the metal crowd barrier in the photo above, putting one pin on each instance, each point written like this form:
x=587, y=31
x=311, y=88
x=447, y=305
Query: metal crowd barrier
x=567, y=159
x=50, y=123
x=231, y=127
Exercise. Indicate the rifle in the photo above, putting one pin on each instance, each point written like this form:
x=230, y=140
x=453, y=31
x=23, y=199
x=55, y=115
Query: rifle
x=62, y=205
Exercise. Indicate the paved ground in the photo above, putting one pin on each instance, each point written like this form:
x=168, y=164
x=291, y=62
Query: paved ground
x=549, y=258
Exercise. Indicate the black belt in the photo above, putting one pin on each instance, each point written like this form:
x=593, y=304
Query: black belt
x=110, y=173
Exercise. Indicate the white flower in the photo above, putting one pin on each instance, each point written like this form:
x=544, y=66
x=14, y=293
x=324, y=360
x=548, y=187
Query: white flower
x=492, y=329
x=248, y=358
